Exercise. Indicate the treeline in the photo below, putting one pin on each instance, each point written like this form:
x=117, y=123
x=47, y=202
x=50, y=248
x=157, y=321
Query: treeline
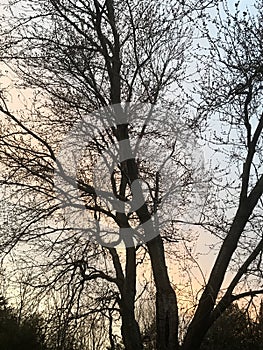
x=30, y=332
x=235, y=329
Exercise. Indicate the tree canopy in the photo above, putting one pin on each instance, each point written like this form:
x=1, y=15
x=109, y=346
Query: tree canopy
x=105, y=107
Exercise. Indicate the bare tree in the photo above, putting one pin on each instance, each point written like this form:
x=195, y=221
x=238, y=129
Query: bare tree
x=232, y=97
x=77, y=60
x=80, y=56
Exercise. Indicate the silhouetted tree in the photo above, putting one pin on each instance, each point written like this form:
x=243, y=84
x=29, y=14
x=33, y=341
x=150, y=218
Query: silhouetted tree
x=79, y=56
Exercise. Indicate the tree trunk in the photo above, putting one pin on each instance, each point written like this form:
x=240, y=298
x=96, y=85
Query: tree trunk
x=130, y=330
x=166, y=321
x=201, y=321
x=166, y=302
x=195, y=336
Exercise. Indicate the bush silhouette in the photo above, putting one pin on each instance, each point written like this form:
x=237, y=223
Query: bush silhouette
x=19, y=334
x=234, y=330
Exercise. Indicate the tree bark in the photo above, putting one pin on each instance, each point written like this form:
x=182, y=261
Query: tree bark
x=130, y=329
x=166, y=302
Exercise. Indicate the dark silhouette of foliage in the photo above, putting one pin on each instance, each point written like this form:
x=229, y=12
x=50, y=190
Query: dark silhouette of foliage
x=234, y=330
x=19, y=334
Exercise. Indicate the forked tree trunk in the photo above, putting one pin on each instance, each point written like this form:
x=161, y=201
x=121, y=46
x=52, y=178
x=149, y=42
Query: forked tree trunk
x=202, y=319
x=166, y=303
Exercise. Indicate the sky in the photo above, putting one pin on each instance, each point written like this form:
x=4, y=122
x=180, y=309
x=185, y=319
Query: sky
x=204, y=240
